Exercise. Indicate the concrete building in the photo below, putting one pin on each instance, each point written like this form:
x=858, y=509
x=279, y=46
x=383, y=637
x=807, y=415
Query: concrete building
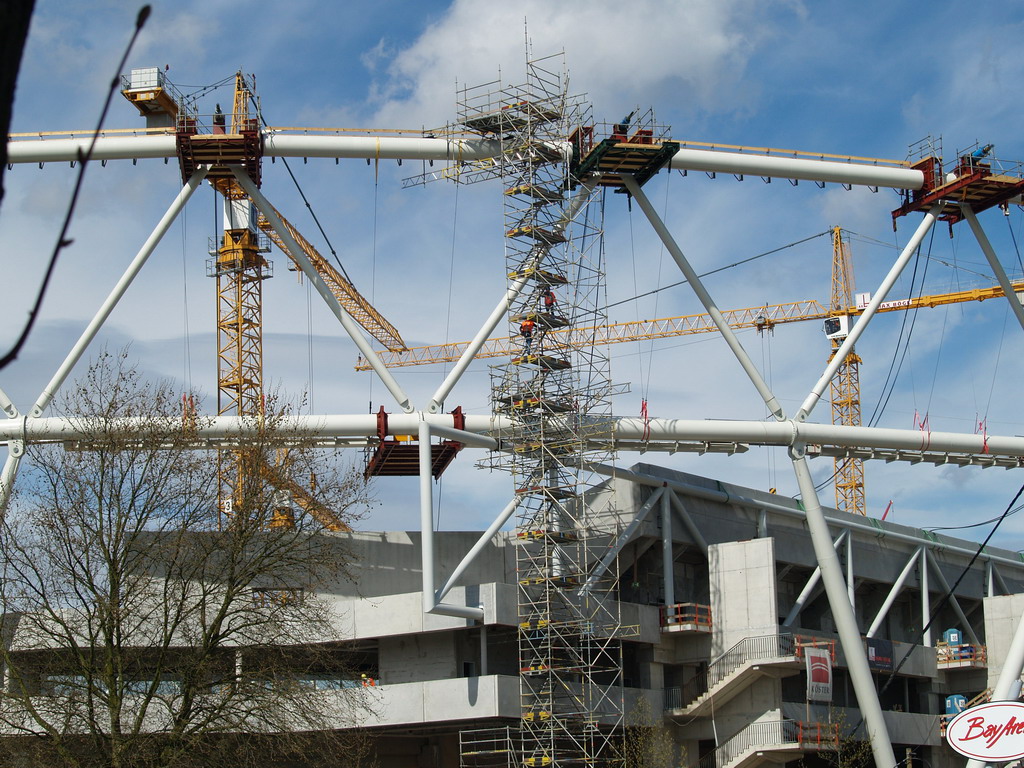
x=720, y=592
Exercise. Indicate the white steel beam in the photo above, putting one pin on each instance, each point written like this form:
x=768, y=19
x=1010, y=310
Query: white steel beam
x=803, y=169
x=431, y=604
x=299, y=257
x=926, y=598
x=118, y=291
x=894, y=592
x=46, y=150
x=335, y=426
x=705, y=298
x=623, y=539
x=7, y=406
x=688, y=523
x=993, y=260
x=811, y=584
x=1007, y=686
x=481, y=543
x=843, y=615
x=840, y=355
x=941, y=578
x=10, y=470
x=667, y=547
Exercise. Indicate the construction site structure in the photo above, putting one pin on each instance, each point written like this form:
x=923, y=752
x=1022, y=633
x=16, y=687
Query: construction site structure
x=844, y=307
x=557, y=397
x=239, y=266
x=550, y=440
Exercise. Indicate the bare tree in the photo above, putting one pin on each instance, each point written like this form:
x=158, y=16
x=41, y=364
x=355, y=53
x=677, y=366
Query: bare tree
x=142, y=629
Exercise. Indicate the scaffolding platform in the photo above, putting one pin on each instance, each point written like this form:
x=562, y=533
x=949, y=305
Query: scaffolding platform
x=615, y=157
x=393, y=458
x=538, y=534
x=534, y=403
x=550, y=491
x=561, y=582
x=546, y=320
x=542, y=276
x=543, y=361
x=972, y=183
x=400, y=456
x=510, y=117
x=219, y=150
x=539, y=234
x=536, y=192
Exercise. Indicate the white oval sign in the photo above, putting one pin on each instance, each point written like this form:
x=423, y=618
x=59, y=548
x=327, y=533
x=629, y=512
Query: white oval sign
x=993, y=731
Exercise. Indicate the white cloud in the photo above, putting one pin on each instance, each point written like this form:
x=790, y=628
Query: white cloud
x=696, y=52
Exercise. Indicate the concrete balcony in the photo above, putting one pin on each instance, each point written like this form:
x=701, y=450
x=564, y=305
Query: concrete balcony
x=439, y=701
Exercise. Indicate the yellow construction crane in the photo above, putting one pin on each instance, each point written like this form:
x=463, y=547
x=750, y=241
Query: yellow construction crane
x=239, y=267
x=842, y=309
x=848, y=473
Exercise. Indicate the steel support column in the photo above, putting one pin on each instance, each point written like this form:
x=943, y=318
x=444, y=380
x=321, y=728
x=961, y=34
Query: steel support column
x=926, y=599
x=667, y=557
x=993, y=260
x=846, y=348
x=894, y=592
x=843, y=615
x=809, y=587
x=118, y=291
x=300, y=258
x=705, y=298
x=1009, y=676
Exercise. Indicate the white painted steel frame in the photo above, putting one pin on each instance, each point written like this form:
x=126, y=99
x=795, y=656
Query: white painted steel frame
x=894, y=592
x=431, y=600
x=299, y=257
x=16, y=450
x=838, y=592
x=467, y=150
x=993, y=260
x=840, y=355
x=811, y=585
x=359, y=427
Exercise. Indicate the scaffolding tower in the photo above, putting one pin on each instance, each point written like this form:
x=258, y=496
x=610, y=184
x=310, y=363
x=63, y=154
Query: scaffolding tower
x=557, y=396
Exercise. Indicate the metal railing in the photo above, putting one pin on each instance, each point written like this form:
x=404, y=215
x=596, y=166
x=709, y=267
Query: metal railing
x=769, y=734
x=952, y=654
x=747, y=649
x=686, y=613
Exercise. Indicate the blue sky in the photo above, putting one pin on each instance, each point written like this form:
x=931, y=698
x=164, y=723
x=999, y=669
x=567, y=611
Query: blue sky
x=864, y=79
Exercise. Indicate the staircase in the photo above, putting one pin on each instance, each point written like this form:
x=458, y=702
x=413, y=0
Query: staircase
x=733, y=671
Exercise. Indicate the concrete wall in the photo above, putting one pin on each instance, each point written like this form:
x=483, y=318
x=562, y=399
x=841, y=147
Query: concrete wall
x=743, y=600
x=1002, y=615
x=388, y=562
x=466, y=698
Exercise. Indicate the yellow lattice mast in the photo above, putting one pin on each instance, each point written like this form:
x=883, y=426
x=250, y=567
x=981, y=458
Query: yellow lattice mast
x=239, y=269
x=845, y=386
